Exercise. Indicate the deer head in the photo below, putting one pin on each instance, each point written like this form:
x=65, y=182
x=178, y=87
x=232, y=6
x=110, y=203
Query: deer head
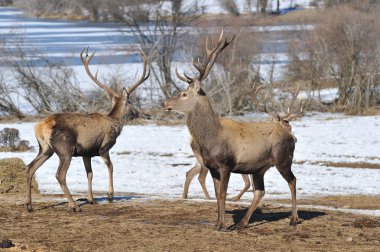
x=186, y=101
x=122, y=97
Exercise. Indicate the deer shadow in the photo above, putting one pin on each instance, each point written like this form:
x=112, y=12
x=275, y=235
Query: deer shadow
x=259, y=216
x=115, y=199
x=83, y=201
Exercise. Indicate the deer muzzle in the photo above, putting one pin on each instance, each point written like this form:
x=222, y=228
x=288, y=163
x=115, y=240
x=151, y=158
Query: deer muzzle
x=166, y=106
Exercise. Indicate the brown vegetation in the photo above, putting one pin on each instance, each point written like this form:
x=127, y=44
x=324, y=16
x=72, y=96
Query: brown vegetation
x=12, y=176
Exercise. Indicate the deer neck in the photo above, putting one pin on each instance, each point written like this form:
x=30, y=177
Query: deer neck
x=118, y=111
x=203, y=124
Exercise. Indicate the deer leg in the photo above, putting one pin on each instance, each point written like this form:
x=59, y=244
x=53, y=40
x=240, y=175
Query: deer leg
x=253, y=184
x=87, y=165
x=202, y=180
x=64, y=163
x=106, y=158
x=288, y=175
x=258, y=180
x=221, y=184
x=43, y=155
x=247, y=184
x=190, y=174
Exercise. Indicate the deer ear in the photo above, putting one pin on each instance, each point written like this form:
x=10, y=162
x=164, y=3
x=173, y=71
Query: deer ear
x=197, y=85
x=124, y=93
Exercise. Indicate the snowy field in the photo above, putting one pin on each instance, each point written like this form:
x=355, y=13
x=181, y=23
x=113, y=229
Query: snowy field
x=153, y=160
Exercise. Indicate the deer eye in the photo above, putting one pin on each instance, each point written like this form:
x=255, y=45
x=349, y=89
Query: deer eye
x=183, y=95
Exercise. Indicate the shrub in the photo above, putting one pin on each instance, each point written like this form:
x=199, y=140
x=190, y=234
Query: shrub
x=10, y=140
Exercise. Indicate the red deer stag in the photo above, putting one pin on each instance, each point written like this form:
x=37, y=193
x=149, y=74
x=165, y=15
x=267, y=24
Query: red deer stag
x=85, y=135
x=202, y=171
x=227, y=146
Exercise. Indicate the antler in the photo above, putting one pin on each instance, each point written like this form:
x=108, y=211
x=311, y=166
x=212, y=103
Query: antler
x=290, y=116
x=85, y=63
x=263, y=108
x=143, y=77
x=260, y=107
x=211, y=55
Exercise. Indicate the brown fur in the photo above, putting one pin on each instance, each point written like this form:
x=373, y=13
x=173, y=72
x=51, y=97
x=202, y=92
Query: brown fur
x=227, y=146
x=224, y=145
x=44, y=129
x=86, y=135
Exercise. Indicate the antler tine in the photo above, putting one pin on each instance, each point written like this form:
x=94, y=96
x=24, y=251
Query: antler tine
x=262, y=108
x=190, y=79
x=209, y=52
x=85, y=63
x=213, y=54
x=292, y=116
x=198, y=65
x=294, y=94
x=143, y=77
x=256, y=101
x=181, y=77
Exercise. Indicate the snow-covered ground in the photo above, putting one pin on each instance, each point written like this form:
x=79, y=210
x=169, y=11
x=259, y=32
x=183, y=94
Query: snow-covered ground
x=153, y=160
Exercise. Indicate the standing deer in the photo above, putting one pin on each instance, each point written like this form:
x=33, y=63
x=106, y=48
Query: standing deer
x=202, y=171
x=85, y=135
x=227, y=146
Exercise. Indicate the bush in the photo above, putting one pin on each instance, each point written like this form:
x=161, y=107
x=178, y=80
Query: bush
x=10, y=140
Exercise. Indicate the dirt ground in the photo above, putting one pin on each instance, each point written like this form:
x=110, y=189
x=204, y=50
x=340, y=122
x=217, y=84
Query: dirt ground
x=132, y=223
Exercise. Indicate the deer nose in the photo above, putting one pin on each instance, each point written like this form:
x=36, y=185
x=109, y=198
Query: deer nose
x=166, y=106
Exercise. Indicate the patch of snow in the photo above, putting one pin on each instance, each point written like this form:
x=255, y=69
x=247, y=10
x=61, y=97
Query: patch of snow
x=153, y=160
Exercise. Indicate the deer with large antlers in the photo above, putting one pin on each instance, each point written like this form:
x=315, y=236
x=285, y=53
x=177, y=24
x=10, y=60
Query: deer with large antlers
x=85, y=135
x=227, y=145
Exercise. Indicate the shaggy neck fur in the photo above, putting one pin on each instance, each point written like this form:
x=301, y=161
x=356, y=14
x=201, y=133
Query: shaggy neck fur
x=203, y=124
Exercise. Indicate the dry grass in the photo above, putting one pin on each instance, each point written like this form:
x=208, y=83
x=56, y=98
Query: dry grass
x=307, y=16
x=340, y=201
x=12, y=176
x=133, y=225
x=363, y=165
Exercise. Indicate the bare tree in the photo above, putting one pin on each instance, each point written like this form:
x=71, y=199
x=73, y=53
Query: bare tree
x=262, y=4
x=47, y=86
x=8, y=105
x=157, y=30
x=344, y=48
x=230, y=6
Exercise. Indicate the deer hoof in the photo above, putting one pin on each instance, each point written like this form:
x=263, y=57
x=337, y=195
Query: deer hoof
x=110, y=197
x=293, y=221
x=239, y=226
x=92, y=201
x=220, y=227
x=74, y=208
x=29, y=208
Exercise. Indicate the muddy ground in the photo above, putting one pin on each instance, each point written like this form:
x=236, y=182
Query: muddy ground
x=132, y=223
